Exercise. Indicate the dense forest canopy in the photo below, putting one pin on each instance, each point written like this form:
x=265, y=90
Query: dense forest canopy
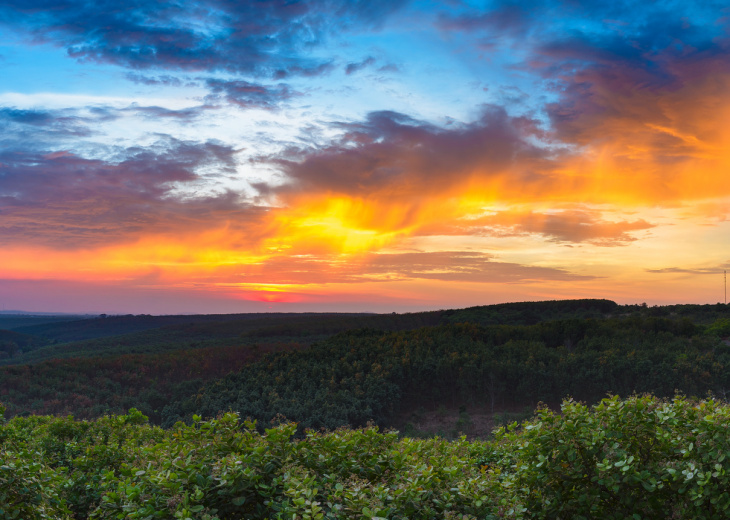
x=288, y=416
x=329, y=370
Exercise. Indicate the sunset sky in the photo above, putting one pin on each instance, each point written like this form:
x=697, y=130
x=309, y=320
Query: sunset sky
x=243, y=156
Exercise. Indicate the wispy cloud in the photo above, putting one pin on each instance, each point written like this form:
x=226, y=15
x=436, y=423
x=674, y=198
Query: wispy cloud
x=563, y=226
x=357, y=66
x=701, y=271
x=454, y=266
x=245, y=94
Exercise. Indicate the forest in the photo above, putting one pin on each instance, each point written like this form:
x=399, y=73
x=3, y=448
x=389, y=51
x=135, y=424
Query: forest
x=589, y=409
x=330, y=370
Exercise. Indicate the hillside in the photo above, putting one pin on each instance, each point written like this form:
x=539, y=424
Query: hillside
x=464, y=366
x=119, y=335
x=13, y=344
x=359, y=376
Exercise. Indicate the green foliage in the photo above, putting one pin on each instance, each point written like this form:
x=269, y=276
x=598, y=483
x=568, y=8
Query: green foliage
x=642, y=457
x=639, y=458
x=720, y=328
x=29, y=489
x=114, y=468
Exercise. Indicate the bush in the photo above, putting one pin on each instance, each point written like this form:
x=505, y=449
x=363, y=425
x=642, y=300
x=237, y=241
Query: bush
x=639, y=458
x=642, y=457
x=29, y=489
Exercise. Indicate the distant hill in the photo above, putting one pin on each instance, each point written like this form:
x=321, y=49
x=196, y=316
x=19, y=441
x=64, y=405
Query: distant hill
x=330, y=369
x=10, y=320
x=63, y=331
x=15, y=312
x=145, y=334
x=14, y=343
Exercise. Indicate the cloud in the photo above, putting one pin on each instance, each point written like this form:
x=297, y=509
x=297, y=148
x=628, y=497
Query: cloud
x=186, y=115
x=37, y=124
x=462, y=266
x=164, y=80
x=240, y=37
x=354, y=67
x=392, y=175
x=389, y=67
x=573, y=226
x=73, y=128
x=638, y=95
x=680, y=270
x=449, y=266
x=393, y=155
x=654, y=120
x=505, y=20
x=245, y=94
x=62, y=200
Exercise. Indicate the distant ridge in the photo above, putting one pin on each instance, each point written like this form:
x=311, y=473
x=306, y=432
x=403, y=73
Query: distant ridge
x=30, y=313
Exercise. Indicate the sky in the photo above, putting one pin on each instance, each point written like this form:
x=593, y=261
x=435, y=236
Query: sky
x=384, y=156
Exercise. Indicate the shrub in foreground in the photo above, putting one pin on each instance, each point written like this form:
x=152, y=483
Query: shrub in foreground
x=640, y=457
x=637, y=458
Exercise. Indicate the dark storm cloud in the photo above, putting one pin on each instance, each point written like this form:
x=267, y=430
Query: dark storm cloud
x=67, y=201
x=251, y=37
x=245, y=94
x=393, y=154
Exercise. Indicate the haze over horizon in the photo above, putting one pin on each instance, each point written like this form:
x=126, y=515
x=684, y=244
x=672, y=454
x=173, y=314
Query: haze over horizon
x=222, y=156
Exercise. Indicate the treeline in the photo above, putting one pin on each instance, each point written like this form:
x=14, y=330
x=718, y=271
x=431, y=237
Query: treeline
x=530, y=313
x=366, y=375
x=637, y=458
